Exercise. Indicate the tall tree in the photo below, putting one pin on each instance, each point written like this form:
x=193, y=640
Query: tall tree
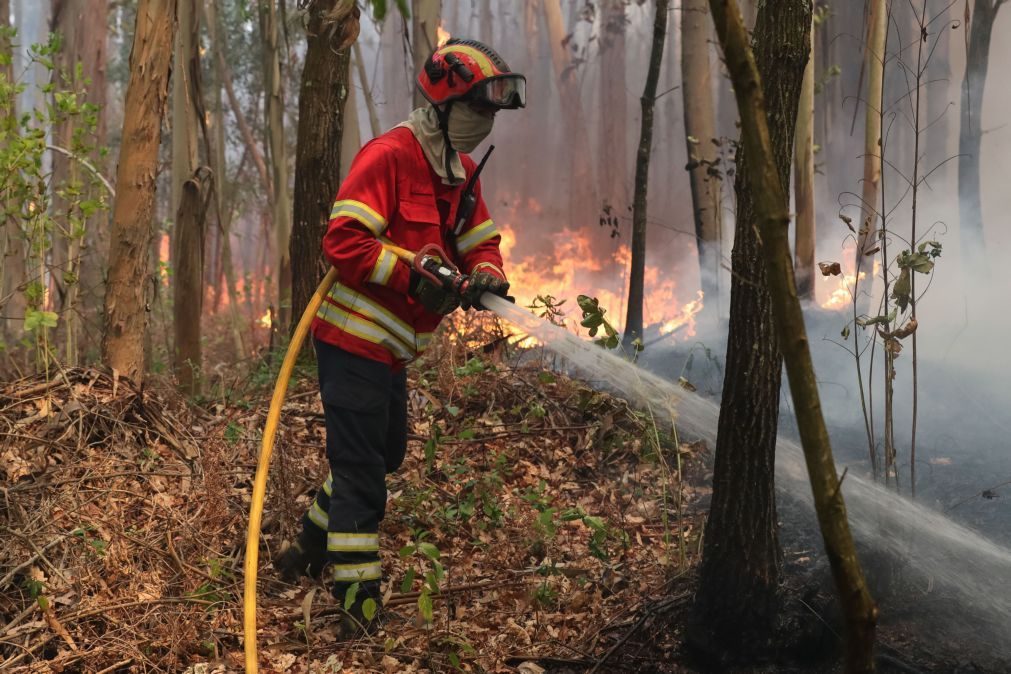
x=700, y=131
x=970, y=136
x=188, y=200
x=146, y=94
x=803, y=181
x=874, y=66
x=613, y=125
x=765, y=171
x=83, y=28
x=271, y=32
x=737, y=601
x=424, y=27
x=332, y=27
x=633, y=317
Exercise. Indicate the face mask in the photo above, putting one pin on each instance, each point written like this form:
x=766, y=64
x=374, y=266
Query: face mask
x=467, y=128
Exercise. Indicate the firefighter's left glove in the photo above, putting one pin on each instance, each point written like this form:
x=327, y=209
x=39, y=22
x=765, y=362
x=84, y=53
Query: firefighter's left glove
x=433, y=297
x=480, y=283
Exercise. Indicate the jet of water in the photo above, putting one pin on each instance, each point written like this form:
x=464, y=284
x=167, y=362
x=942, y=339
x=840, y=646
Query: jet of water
x=954, y=562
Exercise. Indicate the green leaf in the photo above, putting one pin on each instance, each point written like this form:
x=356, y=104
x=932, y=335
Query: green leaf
x=35, y=319
x=369, y=608
x=349, y=596
x=453, y=410
x=425, y=606
x=408, y=581
x=407, y=551
x=902, y=289
x=429, y=550
x=845, y=332
x=546, y=378
x=595, y=523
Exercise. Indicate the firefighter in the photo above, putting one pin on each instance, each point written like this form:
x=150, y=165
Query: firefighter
x=404, y=188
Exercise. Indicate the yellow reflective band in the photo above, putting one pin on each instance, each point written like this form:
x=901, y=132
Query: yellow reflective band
x=489, y=265
x=424, y=340
x=363, y=329
x=367, y=571
x=318, y=517
x=483, y=62
x=363, y=213
x=375, y=312
x=383, y=270
x=339, y=542
x=328, y=485
x=476, y=236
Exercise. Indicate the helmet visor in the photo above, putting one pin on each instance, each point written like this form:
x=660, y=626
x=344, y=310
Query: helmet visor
x=506, y=91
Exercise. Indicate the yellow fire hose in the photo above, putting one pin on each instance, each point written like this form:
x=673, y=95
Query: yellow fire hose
x=267, y=448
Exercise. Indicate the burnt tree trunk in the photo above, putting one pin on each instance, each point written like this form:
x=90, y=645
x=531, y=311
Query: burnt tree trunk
x=737, y=602
x=970, y=136
x=633, y=318
x=332, y=27
x=147, y=91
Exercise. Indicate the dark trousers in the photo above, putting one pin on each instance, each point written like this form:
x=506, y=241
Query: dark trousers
x=365, y=406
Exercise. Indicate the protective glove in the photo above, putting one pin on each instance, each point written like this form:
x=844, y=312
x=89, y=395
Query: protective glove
x=480, y=283
x=433, y=297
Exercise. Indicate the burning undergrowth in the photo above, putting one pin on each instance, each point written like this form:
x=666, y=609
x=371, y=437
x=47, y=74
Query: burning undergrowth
x=532, y=518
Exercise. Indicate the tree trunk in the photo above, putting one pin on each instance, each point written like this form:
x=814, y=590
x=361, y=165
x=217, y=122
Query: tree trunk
x=970, y=136
x=80, y=260
x=424, y=24
x=737, y=602
x=700, y=131
x=281, y=206
x=12, y=238
x=351, y=136
x=147, y=91
x=325, y=83
x=185, y=157
x=766, y=168
x=633, y=318
x=874, y=67
x=188, y=283
x=583, y=204
x=370, y=101
x=803, y=176
x=613, y=159
x=219, y=168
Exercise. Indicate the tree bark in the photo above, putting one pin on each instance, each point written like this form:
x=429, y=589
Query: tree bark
x=332, y=27
x=188, y=283
x=613, y=128
x=81, y=261
x=970, y=136
x=874, y=66
x=424, y=24
x=633, y=317
x=351, y=136
x=185, y=156
x=737, y=602
x=803, y=176
x=370, y=101
x=700, y=131
x=766, y=175
x=281, y=206
x=146, y=94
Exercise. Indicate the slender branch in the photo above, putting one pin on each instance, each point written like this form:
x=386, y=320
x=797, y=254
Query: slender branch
x=86, y=164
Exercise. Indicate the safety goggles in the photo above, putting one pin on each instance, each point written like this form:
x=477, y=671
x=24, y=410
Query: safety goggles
x=503, y=91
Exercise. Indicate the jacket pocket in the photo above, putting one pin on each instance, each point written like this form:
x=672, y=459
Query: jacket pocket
x=420, y=212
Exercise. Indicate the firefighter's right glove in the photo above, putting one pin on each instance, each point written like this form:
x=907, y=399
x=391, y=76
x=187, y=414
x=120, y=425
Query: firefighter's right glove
x=433, y=297
x=480, y=283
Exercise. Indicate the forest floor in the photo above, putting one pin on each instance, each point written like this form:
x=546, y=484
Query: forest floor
x=567, y=527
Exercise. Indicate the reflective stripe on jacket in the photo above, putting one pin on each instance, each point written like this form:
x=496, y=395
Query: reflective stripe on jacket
x=392, y=194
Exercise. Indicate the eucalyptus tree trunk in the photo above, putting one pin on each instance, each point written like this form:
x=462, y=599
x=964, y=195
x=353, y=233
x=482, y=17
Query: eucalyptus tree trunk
x=146, y=94
x=613, y=127
x=370, y=101
x=766, y=168
x=700, y=131
x=737, y=601
x=281, y=206
x=633, y=317
x=874, y=67
x=970, y=136
x=331, y=29
x=803, y=181
x=12, y=238
x=79, y=257
x=424, y=24
x=187, y=250
x=222, y=208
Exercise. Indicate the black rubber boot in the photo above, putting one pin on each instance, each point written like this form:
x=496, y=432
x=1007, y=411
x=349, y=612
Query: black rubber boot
x=304, y=557
x=355, y=624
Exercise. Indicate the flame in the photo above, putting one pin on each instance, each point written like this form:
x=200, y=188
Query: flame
x=443, y=36
x=841, y=296
x=568, y=266
x=266, y=320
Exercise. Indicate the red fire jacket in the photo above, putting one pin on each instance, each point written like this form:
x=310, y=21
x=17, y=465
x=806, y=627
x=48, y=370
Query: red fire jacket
x=392, y=194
